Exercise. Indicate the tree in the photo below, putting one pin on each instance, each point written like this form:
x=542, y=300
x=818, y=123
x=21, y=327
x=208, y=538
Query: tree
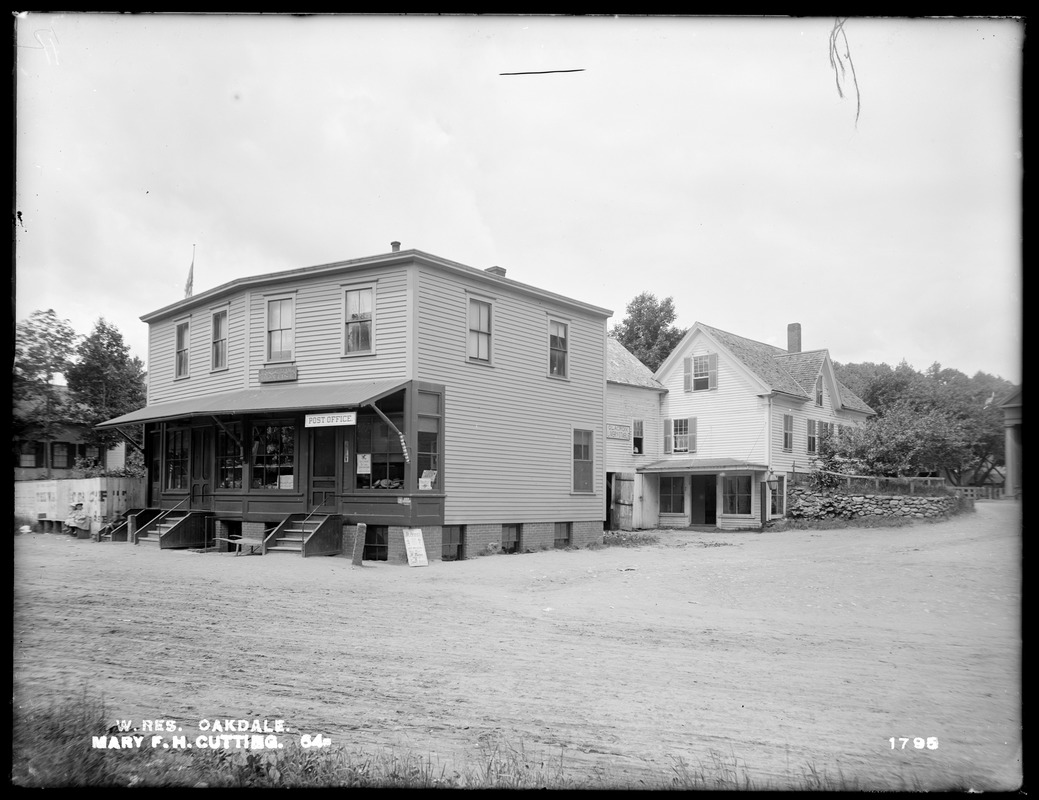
x=105, y=381
x=903, y=442
x=648, y=330
x=43, y=346
x=953, y=420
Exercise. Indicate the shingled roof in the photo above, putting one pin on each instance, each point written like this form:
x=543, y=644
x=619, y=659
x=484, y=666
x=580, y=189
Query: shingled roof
x=623, y=367
x=790, y=373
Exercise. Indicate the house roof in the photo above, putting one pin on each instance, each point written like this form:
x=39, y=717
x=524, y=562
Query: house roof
x=396, y=258
x=700, y=465
x=622, y=366
x=273, y=397
x=789, y=373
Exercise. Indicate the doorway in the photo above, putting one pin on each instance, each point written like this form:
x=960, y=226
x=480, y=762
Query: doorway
x=324, y=469
x=705, y=500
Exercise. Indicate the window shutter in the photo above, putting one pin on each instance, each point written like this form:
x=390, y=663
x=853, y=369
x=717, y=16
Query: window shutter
x=668, y=435
x=40, y=454
x=692, y=434
x=687, y=366
x=712, y=371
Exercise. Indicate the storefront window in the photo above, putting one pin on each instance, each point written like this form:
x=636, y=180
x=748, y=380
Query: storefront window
x=274, y=456
x=229, y=456
x=380, y=458
x=177, y=459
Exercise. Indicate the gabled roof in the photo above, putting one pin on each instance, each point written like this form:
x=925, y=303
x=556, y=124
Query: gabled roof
x=623, y=367
x=793, y=374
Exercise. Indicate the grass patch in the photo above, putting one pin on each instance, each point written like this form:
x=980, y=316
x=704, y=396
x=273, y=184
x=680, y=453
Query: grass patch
x=52, y=747
x=837, y=523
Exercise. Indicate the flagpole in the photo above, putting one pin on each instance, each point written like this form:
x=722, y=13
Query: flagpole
x=190, y=285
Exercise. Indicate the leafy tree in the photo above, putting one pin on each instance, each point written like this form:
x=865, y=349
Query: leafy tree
x=43, y=347
x=105, y=382
x=939, y=420
x=648, y=330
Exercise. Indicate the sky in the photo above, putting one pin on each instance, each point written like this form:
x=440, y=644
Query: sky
x=710, y=160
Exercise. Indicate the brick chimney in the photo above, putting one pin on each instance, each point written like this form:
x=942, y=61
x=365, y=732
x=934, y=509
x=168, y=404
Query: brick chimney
x=793, y=337
x=499, y=271
x=395, y=246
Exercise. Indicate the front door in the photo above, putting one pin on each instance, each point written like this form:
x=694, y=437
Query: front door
x=705, y=500
x=324, y=478
x=202, y=469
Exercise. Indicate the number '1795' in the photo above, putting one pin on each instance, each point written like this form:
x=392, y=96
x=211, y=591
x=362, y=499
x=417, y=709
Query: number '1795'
x=919, y=743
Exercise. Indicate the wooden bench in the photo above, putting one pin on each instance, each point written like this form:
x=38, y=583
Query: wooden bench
x=239, y=543
x=48, y=525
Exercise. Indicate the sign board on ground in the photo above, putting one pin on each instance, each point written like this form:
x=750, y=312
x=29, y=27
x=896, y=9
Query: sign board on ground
x=415, y=547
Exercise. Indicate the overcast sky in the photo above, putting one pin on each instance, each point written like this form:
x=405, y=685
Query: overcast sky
x=709, y=160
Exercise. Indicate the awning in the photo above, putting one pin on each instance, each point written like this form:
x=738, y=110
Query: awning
x=269, y=398
x=702, y=465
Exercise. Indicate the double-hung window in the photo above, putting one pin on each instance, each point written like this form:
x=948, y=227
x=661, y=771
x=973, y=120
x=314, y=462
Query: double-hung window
x=636, y=437
x=736, y=495
x=672, y=494
x=479, y=330
x=219, y=340
x=557, y=348
x=281, y=328
x=274, y=455
x=700, y=373
x=680, y=435
x=183, y=343
x=359, y=335
x=583, y=461
x=819, y=390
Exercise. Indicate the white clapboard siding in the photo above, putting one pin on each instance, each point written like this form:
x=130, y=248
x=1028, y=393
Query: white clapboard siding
x=625, y=403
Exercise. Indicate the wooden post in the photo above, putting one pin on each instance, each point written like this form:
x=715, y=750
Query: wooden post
x=359, y=537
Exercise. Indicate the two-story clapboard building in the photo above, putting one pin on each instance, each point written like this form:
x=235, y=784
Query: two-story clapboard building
x=403, y=390
x=713, y=434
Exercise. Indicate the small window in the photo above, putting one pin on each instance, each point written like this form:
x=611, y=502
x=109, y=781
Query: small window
x=557, y=348
x=182, y=345
x=736, y=496
x=562, y=534
x=813, y=439
x=219, y=360
x=511, y=536
x=281, y=327
x=683, y=432
x=583, y=461
x=60, y=455
x=700, y=373
x=819, y=390
x=637, y=442
x=672, y=494
x=453, y=543
x=376, y=543
x=479, y=330
x=779, y=497
x=788, y=432
x=360, y=320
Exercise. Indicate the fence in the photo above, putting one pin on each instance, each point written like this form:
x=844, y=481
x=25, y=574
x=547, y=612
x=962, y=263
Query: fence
x=980, y=492
x=876, y=483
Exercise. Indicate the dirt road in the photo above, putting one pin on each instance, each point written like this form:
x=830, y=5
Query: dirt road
x=776, y=651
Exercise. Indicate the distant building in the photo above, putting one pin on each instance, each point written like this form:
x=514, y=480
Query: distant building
x=733, y=416
x=55, y=459
x=402, y=390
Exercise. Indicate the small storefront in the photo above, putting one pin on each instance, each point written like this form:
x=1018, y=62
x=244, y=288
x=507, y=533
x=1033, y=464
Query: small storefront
x=368, y=451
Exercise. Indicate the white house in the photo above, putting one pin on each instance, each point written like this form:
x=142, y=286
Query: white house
x=735, y=416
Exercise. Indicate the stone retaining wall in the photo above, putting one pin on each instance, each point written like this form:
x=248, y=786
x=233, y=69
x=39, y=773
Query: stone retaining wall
x=806, y=503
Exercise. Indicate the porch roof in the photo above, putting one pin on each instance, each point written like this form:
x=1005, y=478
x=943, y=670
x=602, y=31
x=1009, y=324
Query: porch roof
x=274, y=397
x=701, y=465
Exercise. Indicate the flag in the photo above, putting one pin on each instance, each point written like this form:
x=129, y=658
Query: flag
x=190, y=284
